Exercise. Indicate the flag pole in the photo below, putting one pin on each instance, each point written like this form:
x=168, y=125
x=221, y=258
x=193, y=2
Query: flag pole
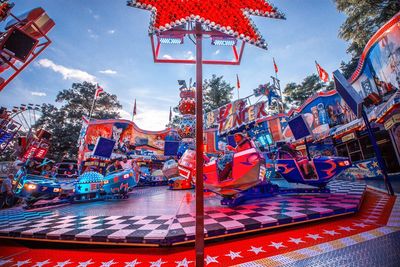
x=93, y=103
x=91, y=109
x=278, y=85
x=134, y=110
x=237, y=85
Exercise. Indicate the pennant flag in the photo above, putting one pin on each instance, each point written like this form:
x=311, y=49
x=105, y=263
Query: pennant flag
x=275, y=66
x=237, y=82
x=170, y=114
x=323, y=75
x=99, y=90
x=134, y=108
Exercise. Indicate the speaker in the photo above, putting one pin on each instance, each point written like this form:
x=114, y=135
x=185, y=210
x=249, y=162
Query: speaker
x=19, y=44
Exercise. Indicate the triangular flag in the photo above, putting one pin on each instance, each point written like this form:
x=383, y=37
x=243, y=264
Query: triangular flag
x=134, y=108
x=323, y=75
x=237, y=82
x=99, y=90
x=275, y=66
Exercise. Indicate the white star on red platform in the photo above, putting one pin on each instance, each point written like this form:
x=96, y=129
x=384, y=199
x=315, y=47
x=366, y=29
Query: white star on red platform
x=108, y=263
x=210, y=259
x=132, y=263
x=234, y=255
x=85, y=263
x=183, y=263
x=4, y=262
x=314, y=236
x=347, y=228
x=63, y=263
x=277, y=245
x=157, y=263
x=296, y=240
x=41, y=263
x=361, y=225
x=331, y=232
x=21, y=263
x=256, y=250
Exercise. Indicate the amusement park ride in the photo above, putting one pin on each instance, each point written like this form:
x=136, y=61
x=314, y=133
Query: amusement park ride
x=22, y=41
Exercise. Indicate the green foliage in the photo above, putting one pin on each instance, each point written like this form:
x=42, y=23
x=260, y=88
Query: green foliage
x=364, y=18
x=296, y=94
x=217, y=92
x=64, y=123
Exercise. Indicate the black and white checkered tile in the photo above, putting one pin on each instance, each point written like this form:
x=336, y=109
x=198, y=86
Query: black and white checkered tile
x=345, y=197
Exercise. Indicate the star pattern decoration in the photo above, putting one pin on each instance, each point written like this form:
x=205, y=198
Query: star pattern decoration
x=347, y=228
x=314, y=236
x=85, y=263
x=157, y=263
x=361, y=225
x=108, y=263
x=63, y=263
x=183, y=263
x=132, y=263
x=227, y=16
x=41, y=263
x=210, y=259
x=256, y=250
x=277, y=245
x=375, y=164
x=4, y=262
x=296, y=240
x=331, y=232
x=234, y=255
x=21, y=263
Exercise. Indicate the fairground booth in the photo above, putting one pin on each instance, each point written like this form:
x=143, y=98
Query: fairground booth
x=102, y=141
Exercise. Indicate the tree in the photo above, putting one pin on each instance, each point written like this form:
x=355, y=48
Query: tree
x=296, y=94
x=64, y=123
x=364, y=18
x=217, y=93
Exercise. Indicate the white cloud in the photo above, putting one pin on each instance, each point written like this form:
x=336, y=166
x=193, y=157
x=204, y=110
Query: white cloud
x=67, y=73
x=189, y=55
x=166, y=56
x=108, y=72
x=38, y=94
x=92, y=34
x=111, y=31
x=94, y=15
x=125, y=115
x=151, y=119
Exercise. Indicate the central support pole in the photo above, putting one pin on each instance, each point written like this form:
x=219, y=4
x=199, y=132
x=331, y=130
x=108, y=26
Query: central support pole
x=199, y=150
x=378, y=154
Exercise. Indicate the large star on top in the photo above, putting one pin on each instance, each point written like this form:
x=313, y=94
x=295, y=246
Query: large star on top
x=228, y=16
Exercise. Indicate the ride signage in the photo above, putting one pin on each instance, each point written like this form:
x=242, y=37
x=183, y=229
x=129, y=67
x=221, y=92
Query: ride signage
x=234, y=115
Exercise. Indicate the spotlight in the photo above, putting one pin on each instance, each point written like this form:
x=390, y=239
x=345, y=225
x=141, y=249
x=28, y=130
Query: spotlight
x=223, y=41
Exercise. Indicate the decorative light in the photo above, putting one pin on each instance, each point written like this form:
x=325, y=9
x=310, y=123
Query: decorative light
x=171, y=39
x=227, y=16
x=223, y=41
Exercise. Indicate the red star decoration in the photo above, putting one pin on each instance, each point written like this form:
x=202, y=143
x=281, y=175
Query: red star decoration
x=227, y=16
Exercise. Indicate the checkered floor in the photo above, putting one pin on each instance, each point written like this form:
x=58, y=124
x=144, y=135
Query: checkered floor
x=345, y=197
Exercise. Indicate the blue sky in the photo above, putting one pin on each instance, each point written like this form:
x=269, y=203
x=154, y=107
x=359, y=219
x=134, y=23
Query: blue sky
x=106, y=42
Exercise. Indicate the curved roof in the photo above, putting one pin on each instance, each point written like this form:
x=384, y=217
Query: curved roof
x=375, y=38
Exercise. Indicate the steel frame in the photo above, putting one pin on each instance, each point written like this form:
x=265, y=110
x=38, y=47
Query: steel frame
x=44, y=42
x=156, y=45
